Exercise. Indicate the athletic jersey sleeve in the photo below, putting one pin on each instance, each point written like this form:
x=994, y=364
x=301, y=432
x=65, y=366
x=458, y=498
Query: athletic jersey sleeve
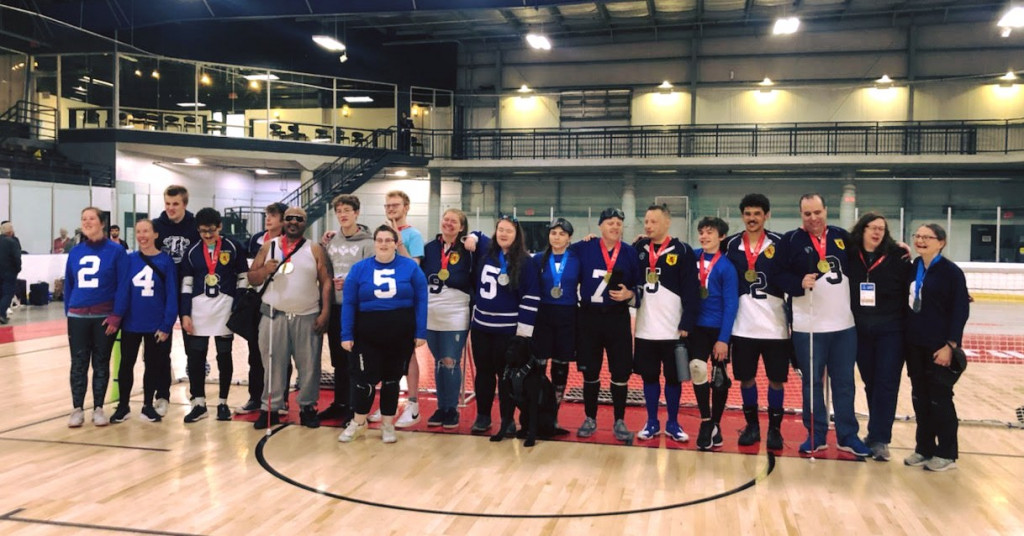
x=689, y=288
x=794, y=265
x=419, y=289
x=729, y=282
x=171, y=293
x=961, y=306
x=187, y=281
x=241, y=267
x=122, y=271
x=529, y=292
x=350, y=297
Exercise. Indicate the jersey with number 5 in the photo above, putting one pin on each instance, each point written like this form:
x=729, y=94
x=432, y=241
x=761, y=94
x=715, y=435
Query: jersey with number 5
x=761, y=313
x=372, y=285
x=153, y=301
x=96, y=273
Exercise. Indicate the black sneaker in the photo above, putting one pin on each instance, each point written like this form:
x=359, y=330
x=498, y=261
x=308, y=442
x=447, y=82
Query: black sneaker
x=774, y=441
x=707, y=428
x=223, y=412
x=716, y=437
x=451, y=418
x=481, y=424
x=251, y=406
x=265, y=416
x=333, y=411
x=198, y=413
x=149, y=413
x=121, y=414
x=308, y=417
x=751, y=435
x=437, y=419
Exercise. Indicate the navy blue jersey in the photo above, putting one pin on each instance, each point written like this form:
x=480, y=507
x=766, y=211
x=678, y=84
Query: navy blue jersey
x=504, y=308
x=255, y=243
x=460, y=266
x=593, y=286
x=718, y=309
x=762, y=313
x=672, y=303
x=372, y=285
x=96, y=273
x=827, y=308
x=153, y=304
x=569, y=281
x=229, y=265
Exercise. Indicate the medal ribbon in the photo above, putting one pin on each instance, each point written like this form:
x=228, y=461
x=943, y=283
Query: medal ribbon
x=752, y=253
x=705, y=273
x=211, y=262
x=609, y=261
x=653, y=258
x=873, y=266
x=819, y=246
x=919, y=280
x=446, y=251
x=557, y=269
x=504, y=263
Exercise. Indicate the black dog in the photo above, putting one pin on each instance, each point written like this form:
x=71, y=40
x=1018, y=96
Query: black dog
x=524, y=385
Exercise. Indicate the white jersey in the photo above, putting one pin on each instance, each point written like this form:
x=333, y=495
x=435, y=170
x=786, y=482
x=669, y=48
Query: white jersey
x=449, y=310
x=762, y=313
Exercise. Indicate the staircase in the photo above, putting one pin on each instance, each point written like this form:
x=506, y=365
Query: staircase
x=28, y=121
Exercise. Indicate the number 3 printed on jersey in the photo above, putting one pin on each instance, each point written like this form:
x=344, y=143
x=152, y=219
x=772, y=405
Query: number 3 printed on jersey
x=384, y=280
x=89, y=266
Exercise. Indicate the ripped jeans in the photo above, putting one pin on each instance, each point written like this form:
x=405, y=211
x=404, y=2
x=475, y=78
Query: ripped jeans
x=446, y=347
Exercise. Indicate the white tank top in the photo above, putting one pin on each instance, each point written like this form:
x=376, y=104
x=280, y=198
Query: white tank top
x=294, y=290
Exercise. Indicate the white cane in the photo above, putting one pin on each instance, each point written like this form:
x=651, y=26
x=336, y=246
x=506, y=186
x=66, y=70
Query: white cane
x=810, y=338
x=270, y=370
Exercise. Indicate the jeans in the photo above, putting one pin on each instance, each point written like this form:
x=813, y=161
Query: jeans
x=448, y=379
x=880, y=361
x=836, y=351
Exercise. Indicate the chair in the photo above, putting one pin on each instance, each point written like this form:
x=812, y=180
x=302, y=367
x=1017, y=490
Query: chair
x=415, y=146
x=295, y=134
x=275, y=130
x=123, y=118
x=339, y=135
x=322, y=134
x=172, y=121
x=190, y=123
x=357, y=138
x=92, y=117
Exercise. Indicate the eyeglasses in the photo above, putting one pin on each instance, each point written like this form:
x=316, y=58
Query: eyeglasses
x=207, y=231
x=924, y=237
x=294, y=218
x=384, y=240
x=394, y=205
x=879, y=228
x=508, y=217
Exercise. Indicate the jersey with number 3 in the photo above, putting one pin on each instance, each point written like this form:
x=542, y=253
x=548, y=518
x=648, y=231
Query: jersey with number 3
x=96, y=273
x=372, y=285
x=762, y=313
x=153, y=302
x=826, y=309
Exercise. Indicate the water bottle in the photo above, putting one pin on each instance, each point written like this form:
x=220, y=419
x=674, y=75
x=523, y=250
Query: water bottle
x=682, y=361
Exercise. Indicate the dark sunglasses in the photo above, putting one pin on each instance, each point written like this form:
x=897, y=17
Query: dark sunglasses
x=294, y=218
x=508, y=217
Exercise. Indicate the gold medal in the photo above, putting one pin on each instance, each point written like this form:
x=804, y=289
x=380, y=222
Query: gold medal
x=287, y=268
x=211, y=280
x=443, y=275
x=556, y=292
x=607, y=277
x=703, y=293
x=652, y=277
x=503, y=279
x=823, y=266
x=750, y=276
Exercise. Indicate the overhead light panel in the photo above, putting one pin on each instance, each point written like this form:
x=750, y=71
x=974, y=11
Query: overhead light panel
x=261, y=76
x=192, y=161
x=358, y=99
x=1013, y=18
x=329, y=43
x=262, y=172
x=538, y=41
x=786, y=26
x=192, y=104
x=884, y=82
x=1008, y=79
x=401, y=173
x=97, y=81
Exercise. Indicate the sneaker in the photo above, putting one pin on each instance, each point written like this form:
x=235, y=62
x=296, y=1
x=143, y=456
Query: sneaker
x=588, y=427
x=880, y=452
x=121, y=414
x=437, y=419
x=620, y=430
x=99, y=418
x=807, y=448
x=251, y=406
x=308, y=417
x=197, y=413
x=451, y=418
x=266, y=418
x=774, y=440
x=160, y=406
x=707, y=429
x=410, y=415
x=481, y=424
x=352, y=431
x=651, y=429
x=150, y=414
x=283, y=411
x=716, y=437
x=387, y=433
x=940, y=464
x=510, y=430
x=4, y=319
x=77, y=418
x=751, y=435
x=915, y=460
x=676, y=433
x=223, y=412
x=375, y=416
x=333, y=411
x=856, y=447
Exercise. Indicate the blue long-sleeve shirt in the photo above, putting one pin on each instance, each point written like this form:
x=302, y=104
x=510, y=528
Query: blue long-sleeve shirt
x=945, y=305
x=718, y=310
x=375, y=286
x=153, y=300
x=570, y=279
x=502, y=308
x=96, y=273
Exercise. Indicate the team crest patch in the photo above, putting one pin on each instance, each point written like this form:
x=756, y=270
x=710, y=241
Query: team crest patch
x=769, y=251
x=840, y=244
x=671, y=259
x=454, y=258
x=225, y=257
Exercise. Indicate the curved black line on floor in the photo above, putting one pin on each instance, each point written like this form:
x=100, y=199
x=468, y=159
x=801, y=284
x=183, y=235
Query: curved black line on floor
x=266, y=465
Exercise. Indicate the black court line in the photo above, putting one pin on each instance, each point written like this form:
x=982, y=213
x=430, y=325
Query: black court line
x=767, y=470
x=31, y=424
x=11, y=516
x=19, y=354
x=84, y=444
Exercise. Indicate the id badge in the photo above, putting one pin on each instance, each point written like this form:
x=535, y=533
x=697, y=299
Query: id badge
x=867, y=294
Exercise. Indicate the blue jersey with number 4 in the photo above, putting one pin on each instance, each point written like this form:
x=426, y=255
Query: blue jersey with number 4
x=153, y=304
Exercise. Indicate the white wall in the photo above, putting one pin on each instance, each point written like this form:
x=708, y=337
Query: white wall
x=38, y=210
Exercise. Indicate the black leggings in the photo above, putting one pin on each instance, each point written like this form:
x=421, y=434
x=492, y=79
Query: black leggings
x=195, y=349
x=339, y=360
x=89, y=344
x=384, y=340
x=489, y=358
x=156, y=378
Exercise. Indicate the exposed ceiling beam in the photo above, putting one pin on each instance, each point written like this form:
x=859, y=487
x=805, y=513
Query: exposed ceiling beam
x=605, y=16
x=557, y=14
x=746, y=9
x=512, y=19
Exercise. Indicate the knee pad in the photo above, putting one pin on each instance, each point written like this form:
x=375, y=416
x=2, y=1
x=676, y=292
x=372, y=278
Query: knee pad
x=698, y=371
x=720, y=380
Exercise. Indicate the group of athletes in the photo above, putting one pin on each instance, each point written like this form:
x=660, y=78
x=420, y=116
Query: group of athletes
x=818, y=296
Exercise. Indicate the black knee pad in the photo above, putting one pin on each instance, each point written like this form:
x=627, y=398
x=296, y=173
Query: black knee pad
x=559, y=373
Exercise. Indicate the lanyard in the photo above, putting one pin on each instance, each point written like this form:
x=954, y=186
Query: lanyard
x=211, y=261
x=609, y=261
x=752, y=253
x=654, y=256
x=705, y=273
x=446, y=251
x=873, y=266
x=557, y=268
x=921, y=270
x=819, y=246
x=504, y=263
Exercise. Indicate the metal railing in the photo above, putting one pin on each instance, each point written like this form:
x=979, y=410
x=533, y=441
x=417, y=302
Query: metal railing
x=29, y=120
x=792, y=139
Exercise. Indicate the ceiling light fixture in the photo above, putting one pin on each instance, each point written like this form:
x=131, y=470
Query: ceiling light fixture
x=1013, y=18
x=766, y=85
x=401, y=173
x=358, y=98
x=97, y=81
x=665, y=88
x=1008, y=79
x=205, y=79
x=329, y=43
x=155, y=74
x=262, y=172
x=343, y=57
x=192, y=104
x=192, y=161
x=261, y=76
x=538, y=41
x=884, y=82
x=786, y=26
x=138, y=73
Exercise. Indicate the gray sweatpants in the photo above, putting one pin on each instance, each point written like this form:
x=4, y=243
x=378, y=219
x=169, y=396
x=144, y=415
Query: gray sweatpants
x=292, y=337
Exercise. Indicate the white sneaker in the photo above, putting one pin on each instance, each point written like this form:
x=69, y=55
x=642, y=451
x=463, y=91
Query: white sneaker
x=387, y=433
x=99, y=418
x=375, y=416
x=410, y=415
x=77, y=418
x=160, y=406
x=352, y=431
